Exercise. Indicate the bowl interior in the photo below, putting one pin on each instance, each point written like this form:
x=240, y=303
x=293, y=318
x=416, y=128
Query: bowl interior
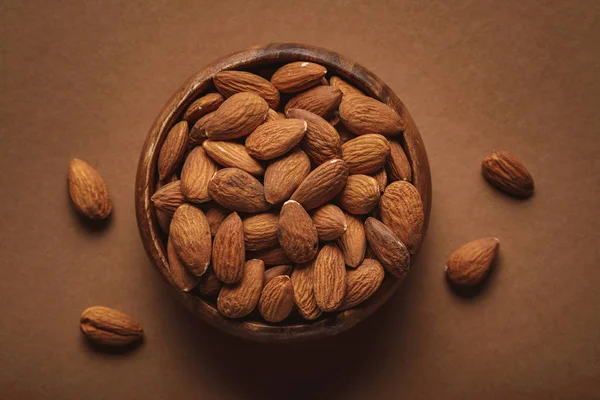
x=261, y=57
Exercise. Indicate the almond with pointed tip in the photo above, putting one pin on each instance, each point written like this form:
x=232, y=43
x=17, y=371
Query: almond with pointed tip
x=297, y=234
x=366, y=154
x=320, y=100
x=322, y=184
x=168, y=198
x=304, y=293
x=382, y=179
x=398, y=164
x=260, y=231
x=353, y=243
x=197, y=171
x=297, y=76
x=277, y=271
x=329, y=278
x=388, y=249
x=330, y=222
x=88, y=191
x=362, y=283
x=190, y=235
x=360, y=195
x=277, y=299
x=507, y=174
x=173, y=149
x=230, y=154
x=363, y=115
x=274, y=256
x=228, y=251
x=273, y=139
x=109, y=327
x=237, y=116
x=198, y=131
x=239, y=299
x=229, y=83
x=321, y=141
x=237, y=190
x=284, y=175
x=346, y=88
x=180, y=275
x=402, y=211
x=203, y=106
x=470, y=263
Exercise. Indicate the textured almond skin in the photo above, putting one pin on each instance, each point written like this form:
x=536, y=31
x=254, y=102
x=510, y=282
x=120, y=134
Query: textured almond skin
x=304, y=293
x=320, y=100
x=329, y=278
x=182, y=277
x=239, y=299
x=382, y=179
x=228, y=251
x=197, y=171
x=353, y=242
x=274, y=256
x=201, y=107
x=229, y=83
x=238, y=116
x=297, y=234
x=168, y=198
x=360, y=195
x=237, y=190
x=275, y=138
x=230, y=154
x=277, y=299
x=322, y=184
x=330, y=222
x=388, y=249
x=283, y=176
x=297, y=76
x=321, y=141
x=402, y=211
x=108, y=327
x=470, y=263
x=362, y=283
x=366, y=154
x=190, y=235
x=209, y=284
x=346, y=88
x=88, y=191
x=198, y=131
x=260, y=231
x=172, y=150
x=363, y=115
x=398, y=166
x=507, y=174
x=273, y=115
x=277, y=271
x=215, y=214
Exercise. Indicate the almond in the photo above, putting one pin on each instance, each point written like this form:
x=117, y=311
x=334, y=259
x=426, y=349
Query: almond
x=283, y=176
x=363, y=115
x=172, y=150
x=239, y=299
x=398, y=164
x=237, y=116
x=304, y=293
x=330, y=222
x=229, y=83
x=277, y=271
x=321, y=141
x=196, y=173
x=274, y=256
x=180, y=275
x=362, y=283
x=382, y=179
x=108, y=327
x=201, y=107
x=260, y=231
x=402, y=211
x=353, y=242
x=471, y=262
x=297, y=234
x=366, y=154
x=273, y=115
x=388, y=249
x=164, y=220
x=360, y=195
x=507, y=174
x=275, y=138
x=297, y=76
x=329, y=278
x=322, y=184
x=320, y=100
x=237, y=190
x=346, y=88
x=230, y=154
x=88, y=191
x=228, y=252
x=168, y=198
x=215, y=214
x=190, y=235
x=277, y=299
x=198, y=131
x=209, y=284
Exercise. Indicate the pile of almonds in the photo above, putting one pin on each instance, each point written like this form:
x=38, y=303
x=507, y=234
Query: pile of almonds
x=292, y=192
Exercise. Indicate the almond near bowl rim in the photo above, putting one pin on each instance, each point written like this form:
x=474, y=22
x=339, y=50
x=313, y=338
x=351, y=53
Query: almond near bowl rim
x=149, y=229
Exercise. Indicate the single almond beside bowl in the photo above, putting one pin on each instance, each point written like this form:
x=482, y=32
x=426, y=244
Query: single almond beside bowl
x=508, y=174
x=470, y=263
x=109, y=327
x=88, y=190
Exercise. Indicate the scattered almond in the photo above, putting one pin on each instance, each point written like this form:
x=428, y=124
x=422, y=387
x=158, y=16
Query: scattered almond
x=507, y=174
x=109, y=327
x=88, y=191
x=471, y=262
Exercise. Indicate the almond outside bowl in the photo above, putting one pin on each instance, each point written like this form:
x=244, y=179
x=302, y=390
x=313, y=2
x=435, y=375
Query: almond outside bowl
x=155, y=241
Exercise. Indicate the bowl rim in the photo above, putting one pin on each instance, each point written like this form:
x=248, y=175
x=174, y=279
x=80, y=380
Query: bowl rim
x=146, y=172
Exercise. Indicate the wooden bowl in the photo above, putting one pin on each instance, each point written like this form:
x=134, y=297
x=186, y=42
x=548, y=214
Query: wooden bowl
x=155, y=242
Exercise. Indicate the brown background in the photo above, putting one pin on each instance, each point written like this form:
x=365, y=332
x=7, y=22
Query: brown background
x=86, y=79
